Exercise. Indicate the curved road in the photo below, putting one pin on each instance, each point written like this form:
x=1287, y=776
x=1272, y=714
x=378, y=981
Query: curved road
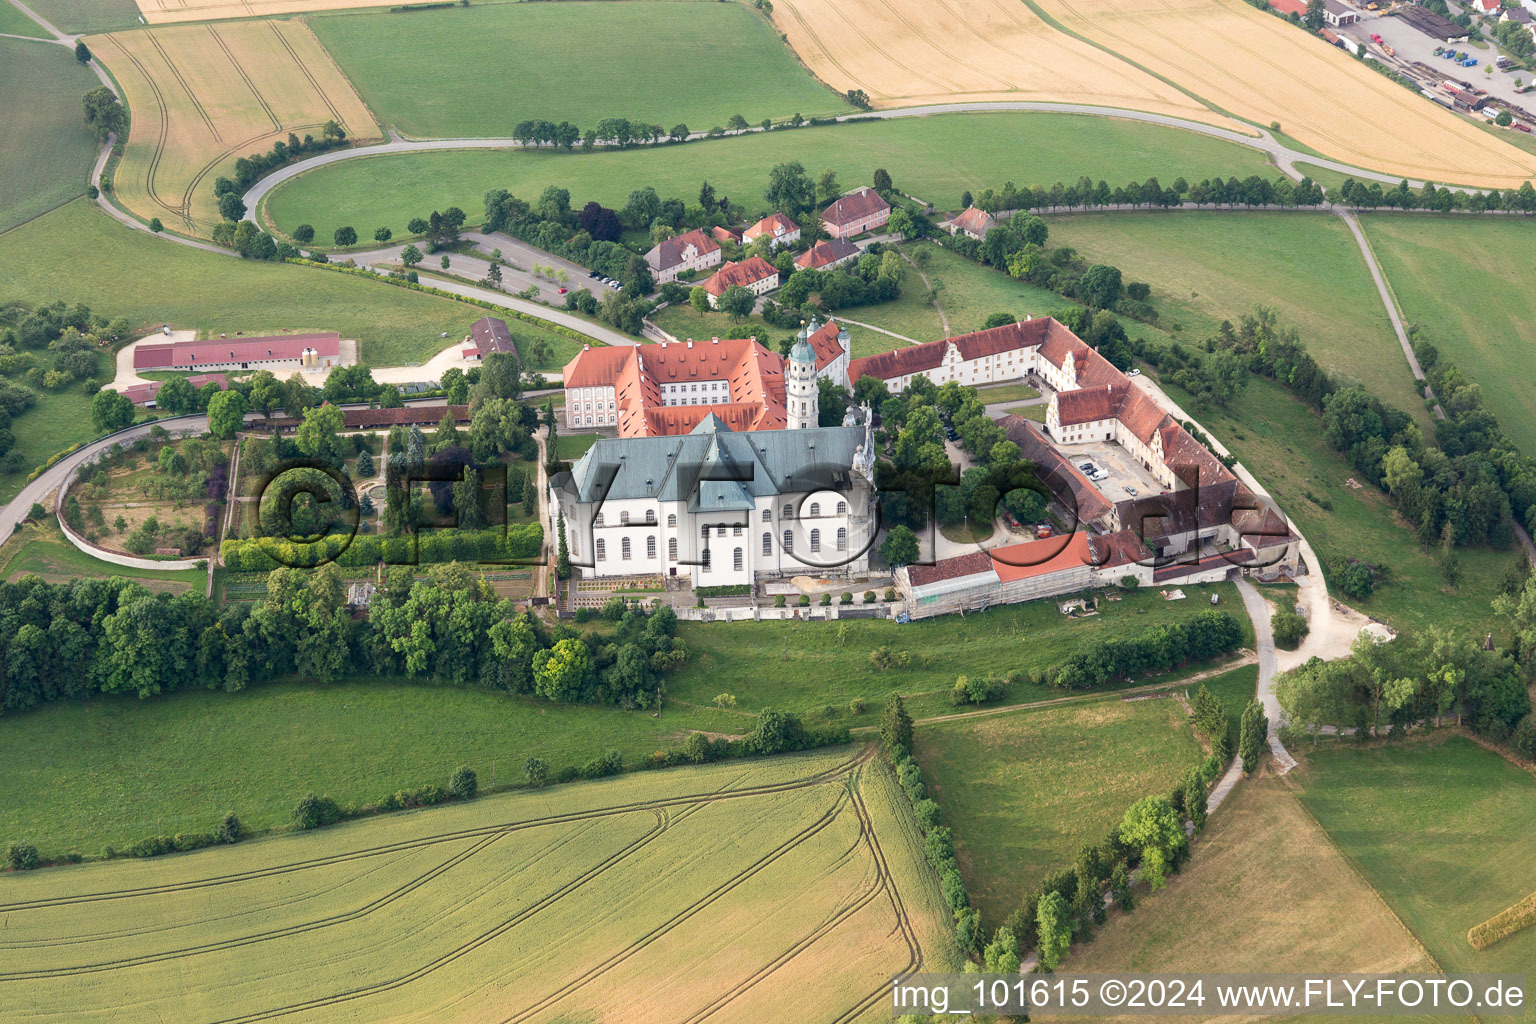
x=1283, y=156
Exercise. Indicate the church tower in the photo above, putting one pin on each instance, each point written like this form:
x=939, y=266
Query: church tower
x=800, y=392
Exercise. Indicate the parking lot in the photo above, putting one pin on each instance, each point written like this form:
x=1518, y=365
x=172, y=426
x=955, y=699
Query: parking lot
x=1413, y=45
x=1126, y=478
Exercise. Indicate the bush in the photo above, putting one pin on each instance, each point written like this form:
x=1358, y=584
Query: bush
x=610, y=762
x=230, y=829
x=890, y=594
x=464, y=785
x=805, y=600
x=1289, y=629
x=928, y=814
x=869, y=597
x=826, y=599
x=847, y=598
x=778, y=600
x=858, y=706
x=316, y=811
x=21, y=857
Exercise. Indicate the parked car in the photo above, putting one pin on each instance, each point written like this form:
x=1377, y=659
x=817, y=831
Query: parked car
x=1133, y=373
x=1131, y=491
x=563, y=289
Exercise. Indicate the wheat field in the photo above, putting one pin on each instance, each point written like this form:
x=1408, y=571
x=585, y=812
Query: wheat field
x=202, y=96
x=789, y=889
x=167, y=12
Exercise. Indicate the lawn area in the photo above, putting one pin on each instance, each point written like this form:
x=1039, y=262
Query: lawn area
x=1206, y=267
x=177, y=763
x=811, y=668
x=41, y=550
x=149, y=281
x=1007, y=393
x=935, y=158
x=1281, y=441
x=1442, y=829
x=538, y=61
x=45, y=149
x=1464, y=281
x=14, y=23
x=573, y=446
x=1029, y=412
x=1024, y=791
x=56, y=421
x=1303, y=908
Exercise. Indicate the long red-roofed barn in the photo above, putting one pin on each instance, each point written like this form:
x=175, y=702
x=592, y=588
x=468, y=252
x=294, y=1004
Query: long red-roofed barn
x=284, y=352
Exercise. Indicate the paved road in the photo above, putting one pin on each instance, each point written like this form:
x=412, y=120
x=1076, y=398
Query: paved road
x=1264, y=639
x=1283, y=156
x=49, y=480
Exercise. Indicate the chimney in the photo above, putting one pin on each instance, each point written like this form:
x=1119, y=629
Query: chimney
x=716, y=341
x=690, y=343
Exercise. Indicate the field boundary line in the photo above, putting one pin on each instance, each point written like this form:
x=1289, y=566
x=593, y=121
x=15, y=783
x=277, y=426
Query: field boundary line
x=1294, y=790
x=821, y=778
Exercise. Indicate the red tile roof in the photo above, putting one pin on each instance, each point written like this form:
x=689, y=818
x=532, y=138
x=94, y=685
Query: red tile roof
x=1039, y=557
x=670, y=252
x=916, y=358
x=855, y=206
x=1072, y=489
x=826, y=253
x=139, y=394
x=774, y=225
x=975, y=220
x=489, y=334
x=596, y=367
x=233, y=350
x=824, y=343
x=974, y=564
x=748, y=272
x=725, y=234
x=1123, y=547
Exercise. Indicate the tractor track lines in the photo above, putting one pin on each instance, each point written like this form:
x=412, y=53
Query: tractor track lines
x=825, y=928
x=549, y=900
x=206, y=169
x=185, y=87
x=255, y=92
x=820, y=778
x=275, y=933
x=903, y=919
x=719, y=892
x=165, y=127
x=304, y=68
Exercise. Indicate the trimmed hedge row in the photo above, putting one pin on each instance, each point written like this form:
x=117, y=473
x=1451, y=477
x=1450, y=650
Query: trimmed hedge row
x=521, y=542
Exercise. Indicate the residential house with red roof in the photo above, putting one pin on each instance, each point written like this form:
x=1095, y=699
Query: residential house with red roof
x=144, y=394
x=855, y=213
x=284, y=352
x=826, y=254
x=972, y=221
x=754, y=273
x=487, y=336
x=981, y=357
x=775, y=227
x=692, y=250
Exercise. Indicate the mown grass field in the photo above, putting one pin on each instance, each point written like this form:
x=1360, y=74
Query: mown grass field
x=1024, y=790
x=1265, y=890
x=1464, y=282
x=538, y=60
x=1442, y=829
x=56, y=421
x=14, y=23
x=89, y=15
x=746, y=890
x=1281, y=441
x=1206, y=267
x=204, y=95
x=45, y=150
x=778, y=664
x=935, y=158
x=150, y=282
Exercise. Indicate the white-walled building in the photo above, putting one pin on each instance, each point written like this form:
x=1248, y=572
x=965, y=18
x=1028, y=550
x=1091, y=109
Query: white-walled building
x=721, y=507
x=666, y=389
x=775, y=227
x=692, y=250
x=754, y=273
x=982, y=357
x=278, y=354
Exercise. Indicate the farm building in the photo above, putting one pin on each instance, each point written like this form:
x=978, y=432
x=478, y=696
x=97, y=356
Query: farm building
x=776, y=227
x=692, y=250
x=825, y=255
x=668, y=389
x=144, y=394
x=486, y=336
x=755, y=274
x=720, y=234
x=1338, y=15
x=855, y=213
x=285, y=352
x=972, y=221
x=720, y=506
x=1296, y=7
